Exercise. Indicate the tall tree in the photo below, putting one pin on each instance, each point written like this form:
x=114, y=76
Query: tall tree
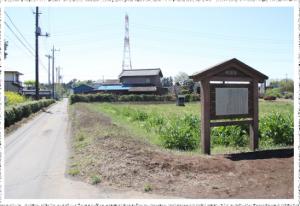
x=181, y=77
x=29, y=83
x=167, y=81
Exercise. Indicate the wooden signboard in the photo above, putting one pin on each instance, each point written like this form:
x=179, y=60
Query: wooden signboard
x=235, y=97
x=230, y=101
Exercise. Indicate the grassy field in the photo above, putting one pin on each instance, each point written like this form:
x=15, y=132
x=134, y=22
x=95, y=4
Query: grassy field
x=170, y=111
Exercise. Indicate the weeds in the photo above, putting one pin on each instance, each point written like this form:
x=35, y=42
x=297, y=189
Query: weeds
x=73, y=172
x=147, y=187
x=182, y=131
x=96, y=179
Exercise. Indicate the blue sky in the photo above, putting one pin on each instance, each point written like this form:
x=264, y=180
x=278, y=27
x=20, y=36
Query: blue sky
x=185, y=39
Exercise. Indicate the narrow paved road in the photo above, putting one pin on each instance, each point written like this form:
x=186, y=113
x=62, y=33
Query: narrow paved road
x=36, y=156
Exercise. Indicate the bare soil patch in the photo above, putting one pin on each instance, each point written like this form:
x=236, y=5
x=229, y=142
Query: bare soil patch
x=123, y=160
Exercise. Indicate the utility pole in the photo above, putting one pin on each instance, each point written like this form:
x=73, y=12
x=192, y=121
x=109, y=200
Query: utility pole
x=5, y=49
x=57, y=74
x=37, y=34
x=53, y=86
x=49, y=57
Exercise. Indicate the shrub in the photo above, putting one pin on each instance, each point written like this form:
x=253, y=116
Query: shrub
x=273, y=92
x=154, y=122
x=17, y=112
x=289, y=95
x=277, y=129
x=78, y=98
x=13, y=98
x=147, y=188
x=96, y=179
x=126, y=98
x=181, y=133
x=138, y=115
x=169, y=98
x=123, y=98
x=185, y=91
x=73, y=172
x=187, y=98
x=195, y=97
x=234, y=136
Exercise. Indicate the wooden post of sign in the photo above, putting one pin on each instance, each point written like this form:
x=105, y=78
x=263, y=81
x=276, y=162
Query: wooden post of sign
x=205, y=116
x=253, y=129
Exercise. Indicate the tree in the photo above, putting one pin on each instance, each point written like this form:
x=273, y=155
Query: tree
x=181, y=77
x=167, y=81
x=29, y=83
x=71, y=83
x=286, y=85
x=188, y=85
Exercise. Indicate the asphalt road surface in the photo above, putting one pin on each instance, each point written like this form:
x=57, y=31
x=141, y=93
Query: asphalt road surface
x=36, y=156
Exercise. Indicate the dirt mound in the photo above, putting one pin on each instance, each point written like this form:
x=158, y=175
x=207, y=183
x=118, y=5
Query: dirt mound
x=129, y=162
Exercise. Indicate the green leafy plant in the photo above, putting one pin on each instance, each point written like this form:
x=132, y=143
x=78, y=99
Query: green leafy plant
x=73, y=172
x=277, y=129
x=147, y=188
x=14, y=98
x=95, y=179
x=234, y=136
x=181, y=133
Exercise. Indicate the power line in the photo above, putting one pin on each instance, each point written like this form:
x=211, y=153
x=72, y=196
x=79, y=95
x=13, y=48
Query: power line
x=18, y=31
x=43, y=66
x=18, y=38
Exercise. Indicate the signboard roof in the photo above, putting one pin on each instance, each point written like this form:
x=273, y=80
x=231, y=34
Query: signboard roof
x=232, y=64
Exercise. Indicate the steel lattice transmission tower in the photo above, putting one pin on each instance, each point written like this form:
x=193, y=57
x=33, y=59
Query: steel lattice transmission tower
x=126, y=52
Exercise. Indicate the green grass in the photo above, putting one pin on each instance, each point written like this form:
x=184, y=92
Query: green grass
x=266, y=107
x=134, y=127
x=169, y=109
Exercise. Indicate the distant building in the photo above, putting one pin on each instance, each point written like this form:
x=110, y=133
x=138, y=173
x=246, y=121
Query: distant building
x=134, y=81
x=42, y=93
x=113, y=88
x=83, y=88
x=12, y=81
x=111, y=81
x=142, y=80
x=141, y=77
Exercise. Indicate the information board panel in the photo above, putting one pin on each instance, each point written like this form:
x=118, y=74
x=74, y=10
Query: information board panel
x=231, y=101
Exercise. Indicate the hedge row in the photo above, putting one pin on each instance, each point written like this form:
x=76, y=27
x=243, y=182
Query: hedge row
x=17, y=112
x=127, y=98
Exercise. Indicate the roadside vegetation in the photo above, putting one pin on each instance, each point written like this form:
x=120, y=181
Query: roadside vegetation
x=14, y=98
x=18, y=107
x=128, y=98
